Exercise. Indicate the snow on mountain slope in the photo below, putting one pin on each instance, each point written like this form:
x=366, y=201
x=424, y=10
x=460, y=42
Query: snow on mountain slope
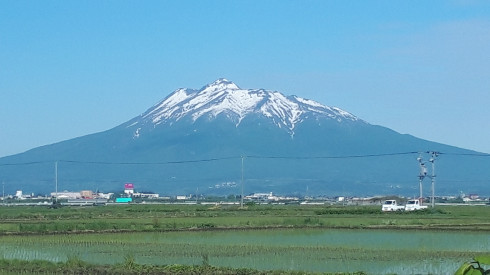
x=225, y=97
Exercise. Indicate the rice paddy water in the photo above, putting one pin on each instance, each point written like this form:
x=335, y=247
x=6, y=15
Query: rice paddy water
x=316, y=250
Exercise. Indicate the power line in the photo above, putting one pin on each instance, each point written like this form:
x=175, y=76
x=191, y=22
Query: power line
x=466, y=154
x=240, y=157
x=149, y=163
x=25, y=163
x=333, y=157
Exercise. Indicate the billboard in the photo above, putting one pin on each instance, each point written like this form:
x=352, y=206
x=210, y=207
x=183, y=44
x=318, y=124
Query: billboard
x=128, y=186
x=123, y=200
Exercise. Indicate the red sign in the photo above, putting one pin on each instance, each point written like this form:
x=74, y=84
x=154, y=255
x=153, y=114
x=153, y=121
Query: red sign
x=128, y=186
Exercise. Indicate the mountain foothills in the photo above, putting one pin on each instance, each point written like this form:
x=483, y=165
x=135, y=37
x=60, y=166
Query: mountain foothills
x=208, y=140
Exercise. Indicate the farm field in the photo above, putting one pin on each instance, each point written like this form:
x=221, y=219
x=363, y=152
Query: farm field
x=291, y=238
x=161, y=217
x=310, y=250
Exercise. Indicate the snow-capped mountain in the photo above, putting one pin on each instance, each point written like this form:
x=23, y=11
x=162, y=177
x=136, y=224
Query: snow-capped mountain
x=197, y=139
x=223, y=97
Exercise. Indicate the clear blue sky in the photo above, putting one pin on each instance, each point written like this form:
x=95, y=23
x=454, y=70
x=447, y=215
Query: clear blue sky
x=71, y=68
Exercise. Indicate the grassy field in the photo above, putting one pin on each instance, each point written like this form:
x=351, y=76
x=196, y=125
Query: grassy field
x=128, y=267
x=159, y=217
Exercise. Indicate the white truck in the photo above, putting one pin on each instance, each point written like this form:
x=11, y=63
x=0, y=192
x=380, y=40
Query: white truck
x=392, y=205
x=413, y=205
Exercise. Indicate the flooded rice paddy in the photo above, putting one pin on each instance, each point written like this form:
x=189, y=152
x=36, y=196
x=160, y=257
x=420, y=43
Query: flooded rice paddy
x=316, y=250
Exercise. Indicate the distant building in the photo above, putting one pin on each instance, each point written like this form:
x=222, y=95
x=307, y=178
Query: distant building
x=66, y=195
x=474, y=196
x=87, y=194
x=146, y=195
x=84, y=194
x=104, y=196
x=129, y=188
x=260, y=196
x=267, y=197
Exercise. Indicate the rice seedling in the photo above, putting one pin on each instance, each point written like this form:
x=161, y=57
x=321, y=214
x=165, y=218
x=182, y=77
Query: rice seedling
x=314, y=250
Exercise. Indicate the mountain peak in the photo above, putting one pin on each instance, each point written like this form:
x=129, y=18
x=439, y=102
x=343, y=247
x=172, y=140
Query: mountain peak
x=223, y=97
x=221, y=84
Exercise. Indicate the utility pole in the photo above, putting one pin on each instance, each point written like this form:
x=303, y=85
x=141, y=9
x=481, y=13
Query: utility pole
x=197, y=191
x=3, y=192
x=433, y=177
x=422, y=174
x=56, y=179
x=241, y=201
